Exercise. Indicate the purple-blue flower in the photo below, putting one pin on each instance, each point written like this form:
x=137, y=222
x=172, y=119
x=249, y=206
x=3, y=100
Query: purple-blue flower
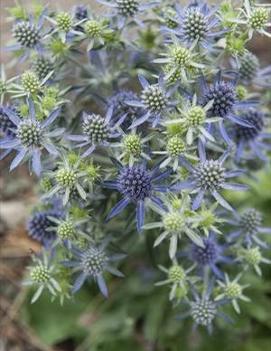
x=154, y=101
x=251, y=140
x=137, y=184
x=208, y=177
x=199, y=22
x=125, y=10
x=247, y=227
x=40, y=226
x=225, y=102
x=31, y=137
x=92, y=263
x=211, y=254
x=29, y=36
x=97, y=131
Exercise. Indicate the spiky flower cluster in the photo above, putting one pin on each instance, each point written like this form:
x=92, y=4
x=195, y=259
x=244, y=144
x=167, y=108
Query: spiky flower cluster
x=153, y=114
x=94, y=126
x=135, y=183
x=26, y=34
x=127, y=7
x=154, y=98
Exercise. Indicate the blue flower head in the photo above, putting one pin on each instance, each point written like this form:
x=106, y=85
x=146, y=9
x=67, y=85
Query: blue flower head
x=40, y=226
x=225, y=103
x=137, y=185
x=198, y=22
x=31, y=137
x=125, y=10
x=211, y=254
x=92, y=263
x=97, y=131
x=209, y=176
x=251, y=139
x=154, y=101
x=247, y=226
x=28, y=36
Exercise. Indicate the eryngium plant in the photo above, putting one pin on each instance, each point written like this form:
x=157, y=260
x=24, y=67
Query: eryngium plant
x=137, y=124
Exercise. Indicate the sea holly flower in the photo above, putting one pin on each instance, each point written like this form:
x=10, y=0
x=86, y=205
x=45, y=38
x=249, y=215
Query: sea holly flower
x=211, y=255
x=178, y=280
x=208, y=177
x=31, y=137
x=133, y=148
x=29, y=36
x=97, y=131
x=232, y=291
x=204, y=309
x=94, y=32
x=180, y=59
x=251, y=142
x=250, y=71
x=68, y=180
x=41, y=227
x=175, y=150
x=175, y=224
x=199, y=22
x=256, y=18
x=208, y=219
x=248, y=226
x=168, y=17
x=42, y=66
x=252, y=257
x=225, y=103
x=29, y=85
x=137, y=184
x=154, y=100
x=67, y=230
x=194, y=118
x=65, y=25
x=42, y=275
x=92, y=263
x=128, y=10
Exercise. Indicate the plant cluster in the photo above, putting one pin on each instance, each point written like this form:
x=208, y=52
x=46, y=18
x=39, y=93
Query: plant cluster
x=141, y=122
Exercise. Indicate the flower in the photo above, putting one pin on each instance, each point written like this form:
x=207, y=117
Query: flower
x=194, y=120
x=251, y=139
x=208, y=177
x=256, y=18
x=133, y=148
x=204, y=309
x=252, y=256
x=225, y=103
x=28, y=35
x=250, y=71
x=92, y=263
x=176, y=222
x=68, y=180
x=175, y=150
x=248, y=225
x=31, y=137
x=137, y=185
x=209, y=255
x=233, y=291
x=42, y=275
x=179, y=61
x=198, y=22
x=177, y=278
x=41, y=227
x=97, y=131
x=127, y=9
x=154, y=100
x=42, y=66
